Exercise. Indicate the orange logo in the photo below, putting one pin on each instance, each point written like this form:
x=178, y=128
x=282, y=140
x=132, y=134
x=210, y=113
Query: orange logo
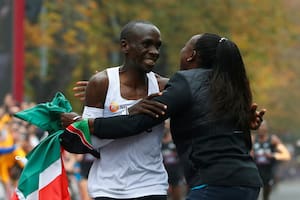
x=114, y=107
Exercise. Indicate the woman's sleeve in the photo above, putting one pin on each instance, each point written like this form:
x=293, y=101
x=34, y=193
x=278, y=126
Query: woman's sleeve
x=176, y=95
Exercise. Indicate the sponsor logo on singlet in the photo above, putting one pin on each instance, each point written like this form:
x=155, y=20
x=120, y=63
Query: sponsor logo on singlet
x=113, y=107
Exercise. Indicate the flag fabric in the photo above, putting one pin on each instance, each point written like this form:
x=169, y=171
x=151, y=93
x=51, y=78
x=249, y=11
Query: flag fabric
x=47, y=115
x=78, y=133
x=44, y=176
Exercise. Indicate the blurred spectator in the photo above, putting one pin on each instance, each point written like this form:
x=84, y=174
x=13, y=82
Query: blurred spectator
x=9, y=102
x=267, y=151
x=85, y=162
x=17, y=138
x=12, y=162
x=172, y=165
x=73, y=173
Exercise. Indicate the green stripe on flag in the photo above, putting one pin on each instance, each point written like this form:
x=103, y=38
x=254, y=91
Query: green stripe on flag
x=83, y=126
x=39, y=159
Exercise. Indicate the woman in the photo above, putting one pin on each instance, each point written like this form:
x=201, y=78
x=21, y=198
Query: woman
x=209, y=104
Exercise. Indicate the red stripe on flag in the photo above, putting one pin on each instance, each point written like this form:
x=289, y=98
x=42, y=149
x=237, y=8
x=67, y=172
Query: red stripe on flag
x=78, y=132
x=14, y=197
x=57, y=189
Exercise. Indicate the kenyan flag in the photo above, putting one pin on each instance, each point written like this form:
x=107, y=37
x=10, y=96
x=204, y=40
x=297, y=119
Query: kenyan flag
x=44, y=176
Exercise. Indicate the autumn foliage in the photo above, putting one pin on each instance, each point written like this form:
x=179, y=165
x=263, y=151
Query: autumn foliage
x=74, y=38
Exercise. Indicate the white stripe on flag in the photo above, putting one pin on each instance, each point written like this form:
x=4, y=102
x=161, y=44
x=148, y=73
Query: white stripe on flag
x=33, y=196
x=19, y=194
x=50, y=173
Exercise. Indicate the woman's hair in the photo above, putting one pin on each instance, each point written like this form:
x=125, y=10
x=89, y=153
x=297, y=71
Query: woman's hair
x=229, y=85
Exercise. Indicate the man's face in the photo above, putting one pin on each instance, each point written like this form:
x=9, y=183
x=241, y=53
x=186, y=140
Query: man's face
x=144, y=47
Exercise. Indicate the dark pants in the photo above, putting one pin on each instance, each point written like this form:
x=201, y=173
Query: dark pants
x=152, y=197
x=224, y=193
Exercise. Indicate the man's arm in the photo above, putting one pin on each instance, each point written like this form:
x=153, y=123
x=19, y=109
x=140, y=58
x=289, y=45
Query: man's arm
x=96, y=90
x=95, y=96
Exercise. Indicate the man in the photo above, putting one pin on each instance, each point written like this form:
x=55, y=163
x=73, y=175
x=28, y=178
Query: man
x=267, y=151
x=129, y=168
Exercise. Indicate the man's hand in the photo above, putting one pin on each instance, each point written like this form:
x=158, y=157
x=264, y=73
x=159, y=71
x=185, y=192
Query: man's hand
x=69, y=118
x=148, y=106
x=257, y=117
x=79, y=89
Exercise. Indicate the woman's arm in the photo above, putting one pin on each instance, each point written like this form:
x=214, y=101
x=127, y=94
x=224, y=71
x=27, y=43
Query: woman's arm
x=176, y=96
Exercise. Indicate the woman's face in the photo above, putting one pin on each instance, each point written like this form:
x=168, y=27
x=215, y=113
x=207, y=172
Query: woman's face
x=188, y=53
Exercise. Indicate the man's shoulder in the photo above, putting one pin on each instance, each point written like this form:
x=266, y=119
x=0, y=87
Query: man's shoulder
x=99, y=77
x=275, y=140
x=96, y=89
x=162, y=81
x=161, y=78
x=103, y=75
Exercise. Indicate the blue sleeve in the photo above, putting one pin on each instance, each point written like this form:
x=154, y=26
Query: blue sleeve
x=7, y=149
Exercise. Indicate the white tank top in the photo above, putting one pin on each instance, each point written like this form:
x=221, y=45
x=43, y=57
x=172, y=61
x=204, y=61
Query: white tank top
x=129, y=167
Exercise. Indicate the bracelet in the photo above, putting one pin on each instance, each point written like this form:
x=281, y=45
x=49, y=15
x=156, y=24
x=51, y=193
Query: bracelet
x=76, y=118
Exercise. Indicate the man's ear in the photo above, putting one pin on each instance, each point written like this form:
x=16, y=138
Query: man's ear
x=192, y=57
x=124, y=46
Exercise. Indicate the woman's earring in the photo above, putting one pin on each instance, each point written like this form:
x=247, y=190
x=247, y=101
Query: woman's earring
x=191, y=58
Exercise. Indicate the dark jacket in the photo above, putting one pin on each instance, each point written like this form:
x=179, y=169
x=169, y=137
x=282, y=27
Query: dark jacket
x=213, y=150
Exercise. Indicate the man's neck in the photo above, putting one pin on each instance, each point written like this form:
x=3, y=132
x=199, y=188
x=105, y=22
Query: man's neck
x=133, y=83
x=133, y=77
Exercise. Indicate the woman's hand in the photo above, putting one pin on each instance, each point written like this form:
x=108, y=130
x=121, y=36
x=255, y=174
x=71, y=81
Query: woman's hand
x=257, y=117
x=79, y=89
x=148, y=106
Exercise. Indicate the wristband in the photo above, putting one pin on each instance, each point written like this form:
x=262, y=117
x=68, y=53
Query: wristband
x=76, y=118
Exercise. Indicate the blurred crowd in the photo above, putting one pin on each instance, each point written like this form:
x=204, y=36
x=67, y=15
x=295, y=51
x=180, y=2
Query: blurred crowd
x=17, y=138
